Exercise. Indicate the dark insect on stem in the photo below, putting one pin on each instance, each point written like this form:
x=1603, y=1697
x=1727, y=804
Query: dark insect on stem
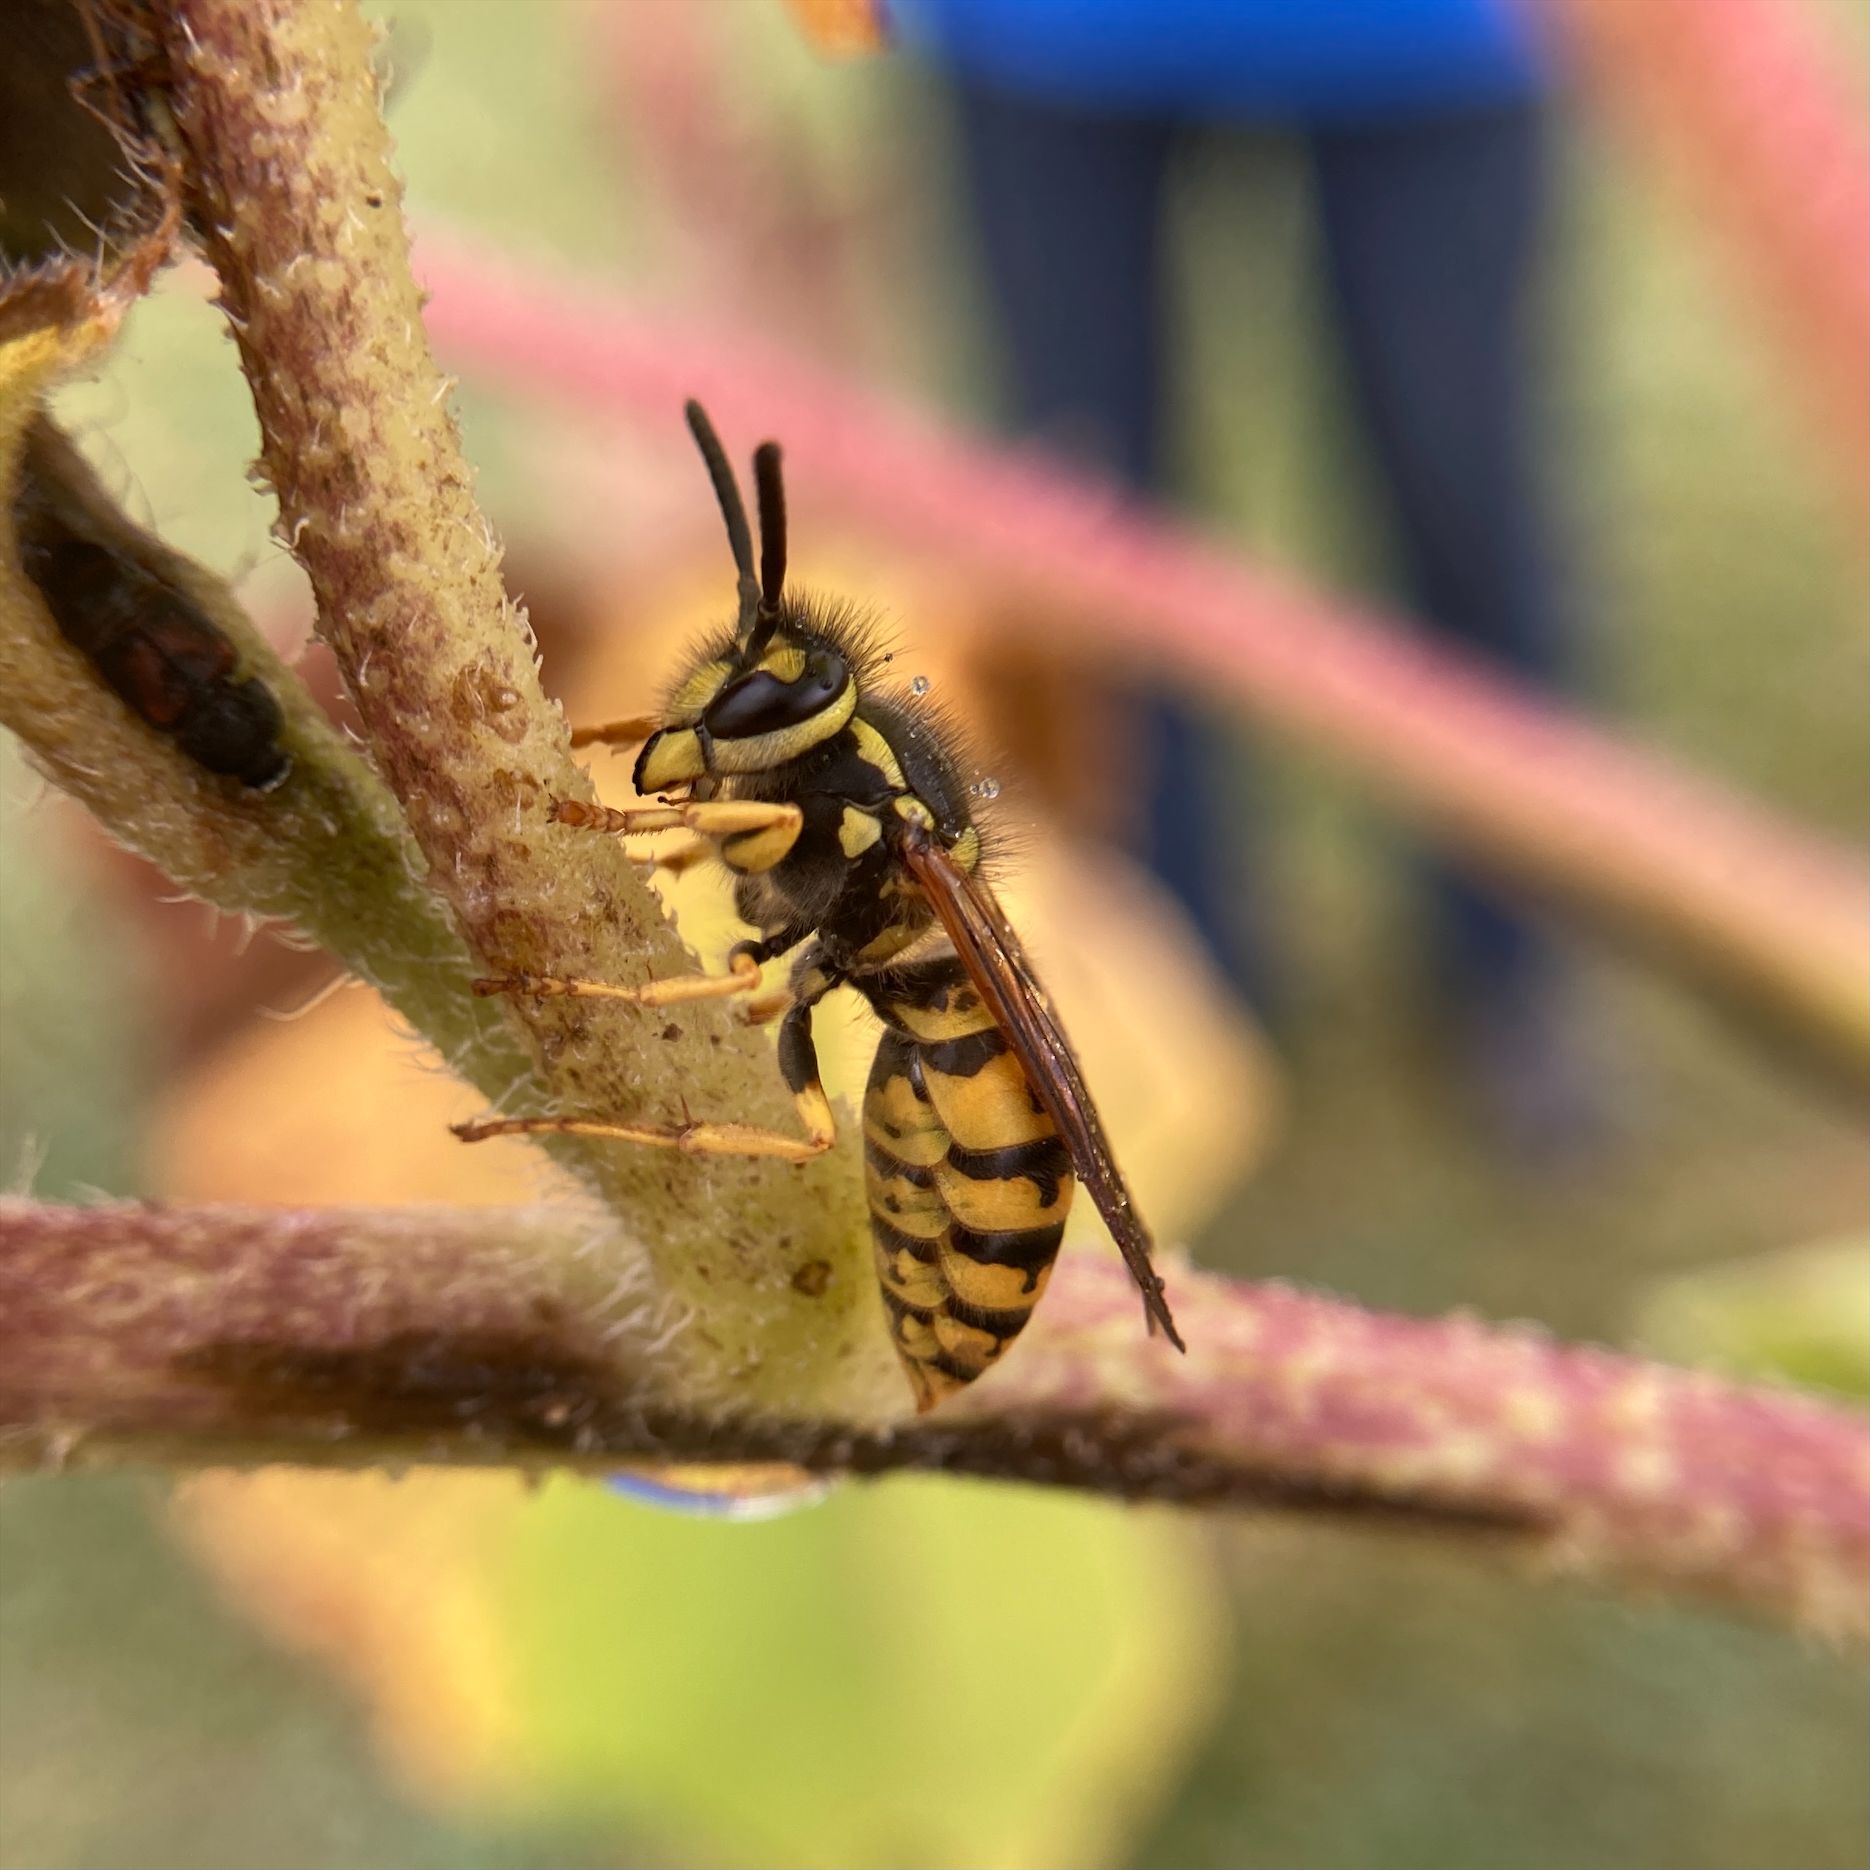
x=150, y=642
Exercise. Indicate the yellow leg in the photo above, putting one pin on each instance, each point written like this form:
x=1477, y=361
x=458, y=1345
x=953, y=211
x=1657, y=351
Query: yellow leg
x=683, y=857
x=710, y=818
x=751, y=834
x=768, y=1006
x=743, y=977
x=798, y=1064
x=630, y=733
x=691, y=1139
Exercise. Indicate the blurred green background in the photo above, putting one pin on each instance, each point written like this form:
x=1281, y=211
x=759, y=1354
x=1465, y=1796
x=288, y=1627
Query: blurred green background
x=934, y=1674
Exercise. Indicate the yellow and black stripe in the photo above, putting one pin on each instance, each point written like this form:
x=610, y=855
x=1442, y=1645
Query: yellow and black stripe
x=968, y=1180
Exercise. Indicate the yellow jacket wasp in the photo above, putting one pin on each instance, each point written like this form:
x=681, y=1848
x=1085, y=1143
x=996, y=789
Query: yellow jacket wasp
x=841, y=813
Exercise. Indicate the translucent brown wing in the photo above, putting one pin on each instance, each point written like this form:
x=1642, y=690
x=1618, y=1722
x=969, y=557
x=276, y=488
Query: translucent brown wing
x=997, y=965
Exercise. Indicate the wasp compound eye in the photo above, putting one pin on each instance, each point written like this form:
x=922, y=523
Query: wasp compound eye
x=760, y=703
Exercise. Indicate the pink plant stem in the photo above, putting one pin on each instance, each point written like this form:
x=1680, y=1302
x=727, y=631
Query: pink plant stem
x=1750, y=109
x=1629, y=1468
x=1772, y=912
x=206, y=1335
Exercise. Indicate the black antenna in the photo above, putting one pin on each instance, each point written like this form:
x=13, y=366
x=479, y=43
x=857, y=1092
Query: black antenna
x=727, y=492
x=770, y=489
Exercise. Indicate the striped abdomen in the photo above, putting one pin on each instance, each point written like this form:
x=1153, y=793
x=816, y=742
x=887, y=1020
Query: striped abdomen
x=968, y=1181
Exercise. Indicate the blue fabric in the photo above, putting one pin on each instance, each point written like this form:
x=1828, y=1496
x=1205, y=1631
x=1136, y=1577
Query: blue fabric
x=1431, y=227
x=1431, y=236
x=1277, y=59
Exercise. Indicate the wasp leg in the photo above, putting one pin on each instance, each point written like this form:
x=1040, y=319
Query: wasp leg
x=770, y=948
x=798, y=1063
x=628, y=733
x=743, y=977
x=752, y=834
x=691, y=1139
x=744, y=961
x=683, y=857
x=768, y=1006
x=708, y=818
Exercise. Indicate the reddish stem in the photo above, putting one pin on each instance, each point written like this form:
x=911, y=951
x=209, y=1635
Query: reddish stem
x=198, y=1336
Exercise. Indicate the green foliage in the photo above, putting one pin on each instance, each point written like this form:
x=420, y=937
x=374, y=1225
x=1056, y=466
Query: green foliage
x=924, y=1673
x=1802, y=1315
x=75, y=1069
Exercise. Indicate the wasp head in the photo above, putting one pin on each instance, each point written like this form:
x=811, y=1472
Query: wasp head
x=779, y=687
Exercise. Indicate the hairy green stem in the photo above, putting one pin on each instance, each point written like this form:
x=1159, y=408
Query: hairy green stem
x=287, y=169
x=327, y=852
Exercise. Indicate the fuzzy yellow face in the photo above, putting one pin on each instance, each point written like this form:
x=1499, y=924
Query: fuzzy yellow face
x=725, y=719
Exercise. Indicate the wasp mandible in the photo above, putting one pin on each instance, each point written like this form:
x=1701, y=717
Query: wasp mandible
x=840, y=811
